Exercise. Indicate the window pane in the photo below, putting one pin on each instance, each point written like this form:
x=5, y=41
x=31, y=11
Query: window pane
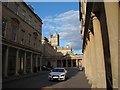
x=14, y=29
x=22, y=34
x=5, y=3
x=24, y=15
x=30, y=20
x=3, y=26
x=35, y=24
x=29, y=39
x=16, y=6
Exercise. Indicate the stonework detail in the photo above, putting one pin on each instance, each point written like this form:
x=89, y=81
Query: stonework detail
x=100, y=42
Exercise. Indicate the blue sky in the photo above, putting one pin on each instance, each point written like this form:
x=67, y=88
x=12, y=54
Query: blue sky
x=62, y=17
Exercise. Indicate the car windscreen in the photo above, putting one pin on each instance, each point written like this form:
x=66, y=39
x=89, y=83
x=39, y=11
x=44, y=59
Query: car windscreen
x=58, y=70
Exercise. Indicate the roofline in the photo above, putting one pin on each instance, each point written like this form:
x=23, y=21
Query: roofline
x=33, y=12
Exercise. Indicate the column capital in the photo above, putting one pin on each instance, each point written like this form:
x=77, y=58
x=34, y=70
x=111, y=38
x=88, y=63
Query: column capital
x=93, y=16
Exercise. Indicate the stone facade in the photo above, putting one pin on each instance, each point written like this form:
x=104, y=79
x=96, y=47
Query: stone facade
x=21, y=39
x=54, y=40
x=48, y=53
x=65, y=50
x=100, y=42
x=56, y=56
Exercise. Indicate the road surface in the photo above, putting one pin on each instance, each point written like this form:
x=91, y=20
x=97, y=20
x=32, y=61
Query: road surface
x=76, y=79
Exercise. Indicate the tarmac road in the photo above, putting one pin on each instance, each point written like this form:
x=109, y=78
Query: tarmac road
x=76, y=79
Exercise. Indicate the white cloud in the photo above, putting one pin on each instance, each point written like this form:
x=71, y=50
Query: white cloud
x=68, y=26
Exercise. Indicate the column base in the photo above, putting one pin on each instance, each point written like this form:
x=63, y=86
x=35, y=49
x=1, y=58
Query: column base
x=94, y=86
x=90, y=82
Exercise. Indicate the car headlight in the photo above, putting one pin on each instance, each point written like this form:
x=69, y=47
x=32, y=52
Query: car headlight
x=62, y=75
x=49, y=74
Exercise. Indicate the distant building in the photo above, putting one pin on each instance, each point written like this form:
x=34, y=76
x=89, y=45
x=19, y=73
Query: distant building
x=54, y=40
x=48, y=53
x=65, y=50
x=57, y=56
x=21, y=39
x=99, y=22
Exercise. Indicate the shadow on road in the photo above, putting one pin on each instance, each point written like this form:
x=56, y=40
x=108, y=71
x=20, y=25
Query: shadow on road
x=38, y=81
x=72, y=72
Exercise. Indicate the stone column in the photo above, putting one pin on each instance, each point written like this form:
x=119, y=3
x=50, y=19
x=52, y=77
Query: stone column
x=31, y=63
x=77, y=64
x=89, y=62
x=71, y=63
x=6, y=61
x=80, y=62
x=101, y=78
x=16, y=67
x=36, y=64
x=93, y=60
x=40, y=62
x=84, y=62
x=66, y=63
x=24, y=63
x=61, y=63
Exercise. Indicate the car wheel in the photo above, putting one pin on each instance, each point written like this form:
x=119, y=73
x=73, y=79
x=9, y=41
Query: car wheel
x=49, y=79
x=66, y=78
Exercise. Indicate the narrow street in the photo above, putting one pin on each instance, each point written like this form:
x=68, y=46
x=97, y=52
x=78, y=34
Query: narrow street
x=76, y=79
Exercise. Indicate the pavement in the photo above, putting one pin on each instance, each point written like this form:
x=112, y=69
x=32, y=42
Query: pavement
x=17, y=77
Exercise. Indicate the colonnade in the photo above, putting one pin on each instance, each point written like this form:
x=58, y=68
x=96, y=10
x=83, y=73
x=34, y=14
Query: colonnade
x=21, y=61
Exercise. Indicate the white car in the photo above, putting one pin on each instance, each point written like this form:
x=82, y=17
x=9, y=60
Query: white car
x=58, y=74
x=81, y=68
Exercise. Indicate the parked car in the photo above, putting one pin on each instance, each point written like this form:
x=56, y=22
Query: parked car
x=46, y=68
x=81, y=68
x=58, y=74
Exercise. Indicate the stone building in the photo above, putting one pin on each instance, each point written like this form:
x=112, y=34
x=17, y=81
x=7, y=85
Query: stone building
x=21, y=39
x=56, y=56
x=70, y=60
x=54, y=40
x=48, y=53
x=99, y=22
x=65, y=50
